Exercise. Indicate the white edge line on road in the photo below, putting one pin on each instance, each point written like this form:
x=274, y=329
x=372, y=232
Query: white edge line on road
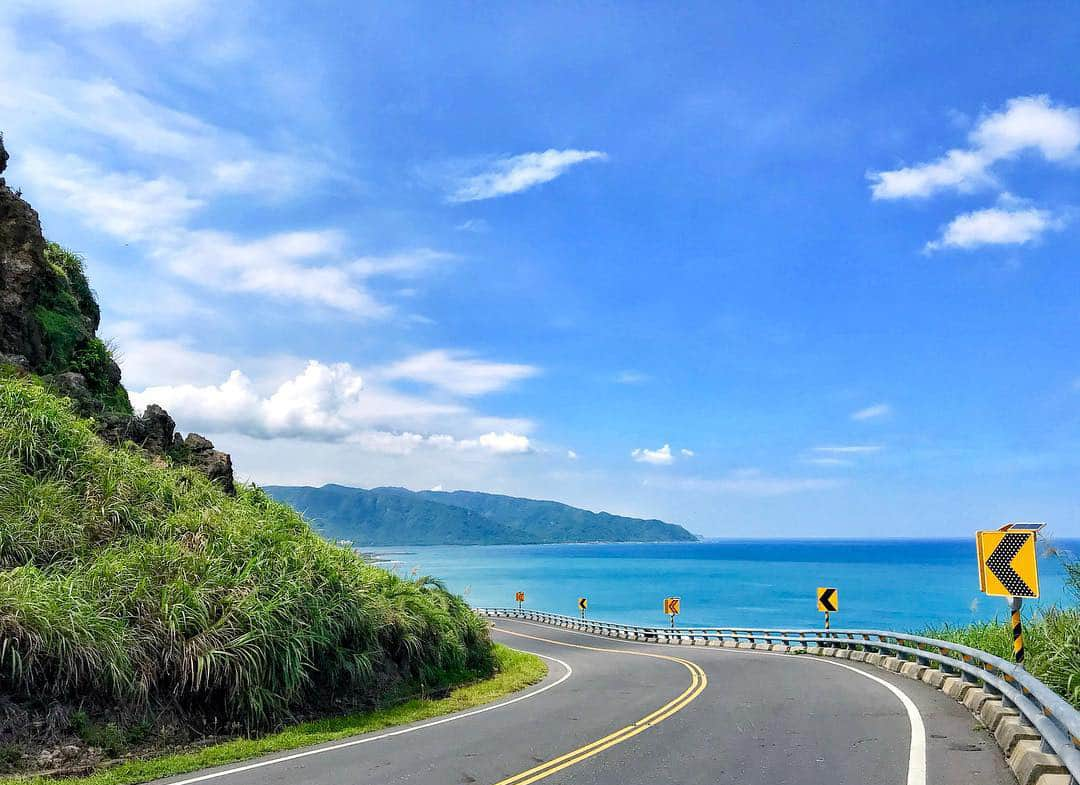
x=917, y=750
x=343, y=745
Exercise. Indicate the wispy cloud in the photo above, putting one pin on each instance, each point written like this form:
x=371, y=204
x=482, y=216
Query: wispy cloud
x=995, y=226
x=848, y=449
x=458, y=372
x=632, y=377
x=160, y=18
x=517, y=173
x=874, y=412
x=1029, y=123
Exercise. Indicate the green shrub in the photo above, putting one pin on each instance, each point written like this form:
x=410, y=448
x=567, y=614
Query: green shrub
x=128, y=582
x=1051, y=640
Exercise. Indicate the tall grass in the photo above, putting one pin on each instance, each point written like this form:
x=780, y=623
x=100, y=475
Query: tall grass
x=124, y=581
x=1051, y=640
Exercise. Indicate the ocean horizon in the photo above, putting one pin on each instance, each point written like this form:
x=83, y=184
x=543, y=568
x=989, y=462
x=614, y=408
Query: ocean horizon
x=904, y=584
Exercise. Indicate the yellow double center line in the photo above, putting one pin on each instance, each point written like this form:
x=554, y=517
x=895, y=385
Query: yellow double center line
x=698, y=682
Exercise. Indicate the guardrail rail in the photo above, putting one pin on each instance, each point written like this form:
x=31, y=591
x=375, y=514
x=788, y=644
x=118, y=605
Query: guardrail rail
x=974, y=677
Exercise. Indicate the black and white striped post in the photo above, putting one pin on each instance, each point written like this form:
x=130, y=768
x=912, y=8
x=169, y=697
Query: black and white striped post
x=1015, y=604
x=826, y=620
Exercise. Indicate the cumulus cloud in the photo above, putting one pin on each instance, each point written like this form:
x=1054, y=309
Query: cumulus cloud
x=1025, y=124
x=995, y=226
x=325, y=403
x=661, y=457
x=874, y=412
x=686, y=453
x=458, y=372
x=519, y=173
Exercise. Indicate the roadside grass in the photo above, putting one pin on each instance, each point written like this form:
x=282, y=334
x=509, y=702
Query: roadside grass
x=516, y=670
x=129, y=584
x=1051, y=646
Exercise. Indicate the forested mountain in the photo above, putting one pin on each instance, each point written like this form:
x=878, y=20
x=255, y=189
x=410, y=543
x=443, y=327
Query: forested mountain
x=397, y=516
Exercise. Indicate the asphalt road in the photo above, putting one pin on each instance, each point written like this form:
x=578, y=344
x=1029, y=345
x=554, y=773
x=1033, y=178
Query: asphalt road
x=619, y=713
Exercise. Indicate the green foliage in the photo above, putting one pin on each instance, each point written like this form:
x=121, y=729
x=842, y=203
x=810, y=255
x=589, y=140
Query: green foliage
x=1051, y=641
x=516, y=670
x=125, y=582
x=70, y=272
x=68, y=316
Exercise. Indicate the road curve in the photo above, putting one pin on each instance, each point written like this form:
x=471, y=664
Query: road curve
x=622, y=713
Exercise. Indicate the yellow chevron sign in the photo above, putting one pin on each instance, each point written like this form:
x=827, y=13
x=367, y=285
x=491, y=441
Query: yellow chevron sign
x=1008, y=566
x=827, y=599
x=671, y=605
x=582, y=603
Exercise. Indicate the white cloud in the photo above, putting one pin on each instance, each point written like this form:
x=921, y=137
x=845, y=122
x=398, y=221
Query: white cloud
x=124, y=205
x=474, y=225
x=458, y=372
x=848, y=449
x=571, y=455
x=505, y=443
x=632, y=377
x=686, y=453
x=661, y=457
x=1029, y=123
x=407, y=264
x=288, y=265
x=827, y=461
x=324, y=403
x=518, y=173
x=995, y=226
x=872, y=412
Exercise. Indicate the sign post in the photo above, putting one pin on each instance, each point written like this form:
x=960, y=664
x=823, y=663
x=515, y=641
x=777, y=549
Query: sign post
x=671, y=608
x=520, y=597
x=828, y=600
x=583, y=605
x=1009, y=567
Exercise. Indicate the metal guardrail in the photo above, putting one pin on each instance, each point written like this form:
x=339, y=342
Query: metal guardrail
x=1054, y=718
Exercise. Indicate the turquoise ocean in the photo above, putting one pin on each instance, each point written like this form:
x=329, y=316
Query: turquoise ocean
x=902, y=585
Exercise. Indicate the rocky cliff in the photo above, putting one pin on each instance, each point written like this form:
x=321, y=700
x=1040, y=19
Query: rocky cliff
x=48, y=327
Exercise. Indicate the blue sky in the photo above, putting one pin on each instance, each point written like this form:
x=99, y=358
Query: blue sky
x=759, y=270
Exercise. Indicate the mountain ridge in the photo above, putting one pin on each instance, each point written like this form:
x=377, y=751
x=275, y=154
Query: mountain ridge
x=389, y=515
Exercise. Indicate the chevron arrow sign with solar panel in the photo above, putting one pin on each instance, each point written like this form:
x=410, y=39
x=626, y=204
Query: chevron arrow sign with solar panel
x=1007, y=562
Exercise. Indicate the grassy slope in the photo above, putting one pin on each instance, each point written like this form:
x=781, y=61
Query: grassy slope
x=129, y=585
x=516, y=670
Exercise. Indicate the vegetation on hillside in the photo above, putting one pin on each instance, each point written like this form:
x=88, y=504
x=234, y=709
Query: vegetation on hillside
x=131, y=586
x=68, y=316
x=1051, y=641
